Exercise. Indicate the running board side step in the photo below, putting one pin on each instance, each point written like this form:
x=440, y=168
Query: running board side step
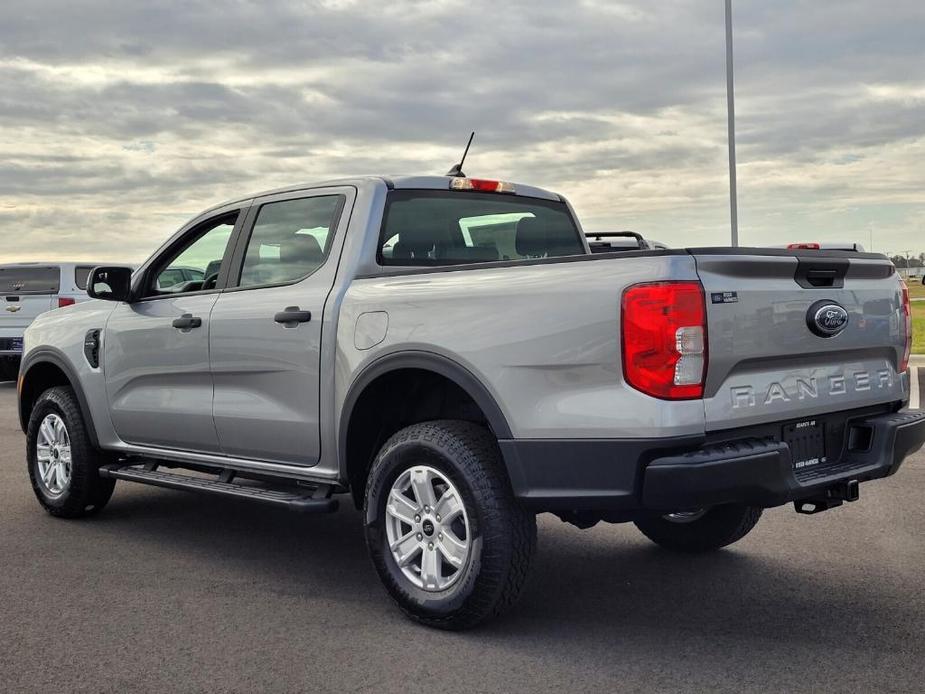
x=316, y=501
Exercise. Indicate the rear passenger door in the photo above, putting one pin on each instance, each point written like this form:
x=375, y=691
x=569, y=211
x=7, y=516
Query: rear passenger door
x=266, y=327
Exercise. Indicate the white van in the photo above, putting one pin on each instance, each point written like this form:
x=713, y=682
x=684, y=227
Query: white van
x=28, y=289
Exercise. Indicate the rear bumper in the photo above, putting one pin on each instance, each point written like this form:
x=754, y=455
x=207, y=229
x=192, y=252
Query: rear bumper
x=760, y=473
x=677, y=474
x=11, y=342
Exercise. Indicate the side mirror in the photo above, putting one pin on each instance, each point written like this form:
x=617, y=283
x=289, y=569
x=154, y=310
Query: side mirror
x=110, y=283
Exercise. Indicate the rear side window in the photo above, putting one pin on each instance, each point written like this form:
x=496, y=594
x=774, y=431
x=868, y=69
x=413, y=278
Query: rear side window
x=459, y=227
x=290, y=240
x=30, y=280
x=81, y=275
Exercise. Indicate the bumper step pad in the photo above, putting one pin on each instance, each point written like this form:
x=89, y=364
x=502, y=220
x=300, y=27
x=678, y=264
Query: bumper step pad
x=300, y=501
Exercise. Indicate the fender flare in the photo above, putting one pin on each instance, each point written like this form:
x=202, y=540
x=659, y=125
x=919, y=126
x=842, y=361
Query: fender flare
x=50, y=355
x=427, y=361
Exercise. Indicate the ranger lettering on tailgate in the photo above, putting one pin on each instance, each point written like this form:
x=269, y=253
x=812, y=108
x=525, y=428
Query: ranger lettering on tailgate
x=808, y=388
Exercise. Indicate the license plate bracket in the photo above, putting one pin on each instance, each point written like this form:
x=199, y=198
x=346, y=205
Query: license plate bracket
x=806, y=439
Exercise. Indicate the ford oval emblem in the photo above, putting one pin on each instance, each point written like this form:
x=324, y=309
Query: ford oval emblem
x=826, y=318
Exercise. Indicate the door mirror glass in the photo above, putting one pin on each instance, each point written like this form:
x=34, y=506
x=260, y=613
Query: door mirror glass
x=110, y=283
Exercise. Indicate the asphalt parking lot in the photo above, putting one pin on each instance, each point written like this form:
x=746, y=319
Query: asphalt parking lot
x=168, y=591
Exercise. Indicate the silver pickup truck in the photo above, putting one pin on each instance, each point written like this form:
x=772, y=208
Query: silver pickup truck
x=448, y=352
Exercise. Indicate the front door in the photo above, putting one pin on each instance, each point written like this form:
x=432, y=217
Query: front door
x=156, y=349
x=266, y=327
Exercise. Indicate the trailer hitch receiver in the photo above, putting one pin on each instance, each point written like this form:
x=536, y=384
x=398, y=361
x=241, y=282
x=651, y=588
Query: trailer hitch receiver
x=830, y=498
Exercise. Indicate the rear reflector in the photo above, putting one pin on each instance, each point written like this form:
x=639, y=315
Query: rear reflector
x=65, y=301
x=483, y=185
x=907, y=315
x=665, y=339
x=804, y=246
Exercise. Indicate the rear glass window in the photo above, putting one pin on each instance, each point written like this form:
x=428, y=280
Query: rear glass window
x=81, y=275
x=459, y=227
x=29, y=280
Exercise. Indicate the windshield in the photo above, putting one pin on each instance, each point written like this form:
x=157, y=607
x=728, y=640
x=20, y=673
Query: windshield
x=425, y=227
x=30, y=280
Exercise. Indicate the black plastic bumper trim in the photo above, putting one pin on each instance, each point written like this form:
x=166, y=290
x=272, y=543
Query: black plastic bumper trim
x=686, y=472
x=760, y=473
x=583, y=474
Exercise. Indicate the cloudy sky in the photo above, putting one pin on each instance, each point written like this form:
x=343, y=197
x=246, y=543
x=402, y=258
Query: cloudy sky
x=119, y=120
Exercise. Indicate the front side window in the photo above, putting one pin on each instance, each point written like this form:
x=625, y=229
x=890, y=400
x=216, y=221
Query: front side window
x=459, y=227
x=195, y=265
x=290, y=240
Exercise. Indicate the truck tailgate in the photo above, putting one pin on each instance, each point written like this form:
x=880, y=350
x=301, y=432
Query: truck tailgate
x=770, y=360
x=18, y=312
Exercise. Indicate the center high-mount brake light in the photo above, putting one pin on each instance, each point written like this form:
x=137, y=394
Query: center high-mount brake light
x=803, y=246
x=664, y=328
x=907, y=315
x=482, y=185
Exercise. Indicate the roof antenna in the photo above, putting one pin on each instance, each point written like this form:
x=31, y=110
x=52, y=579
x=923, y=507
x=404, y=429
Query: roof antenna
x=457, y=171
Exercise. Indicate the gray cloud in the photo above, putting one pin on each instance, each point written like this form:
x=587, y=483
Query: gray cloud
x=120, y=120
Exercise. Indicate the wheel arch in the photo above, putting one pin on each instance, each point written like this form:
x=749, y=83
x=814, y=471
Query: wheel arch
x=45, y=369
x=464, y=396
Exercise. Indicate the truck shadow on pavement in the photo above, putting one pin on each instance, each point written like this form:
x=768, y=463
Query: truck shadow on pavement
x=583, y=585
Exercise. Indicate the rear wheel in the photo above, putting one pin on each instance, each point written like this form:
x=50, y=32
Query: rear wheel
x=63, y=465
x=445, y=534
x=700, y=530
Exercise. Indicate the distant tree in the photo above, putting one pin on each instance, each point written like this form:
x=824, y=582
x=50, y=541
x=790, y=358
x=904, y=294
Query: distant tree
x=899, y=260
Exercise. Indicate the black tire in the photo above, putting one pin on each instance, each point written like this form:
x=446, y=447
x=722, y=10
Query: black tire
x=86, y=492
x=718, y=527
x=502, y=535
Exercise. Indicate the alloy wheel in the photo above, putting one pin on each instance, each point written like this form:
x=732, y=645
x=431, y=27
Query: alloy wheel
x=427, y=528
x=53, y=456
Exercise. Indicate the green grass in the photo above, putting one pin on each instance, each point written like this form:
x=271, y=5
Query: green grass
x=918, y=327
x=917, y=289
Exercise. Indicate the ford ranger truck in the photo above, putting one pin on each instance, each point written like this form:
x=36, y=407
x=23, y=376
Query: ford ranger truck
x=449, y=354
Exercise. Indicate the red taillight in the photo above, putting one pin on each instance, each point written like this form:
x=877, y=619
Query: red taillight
x=65, y=301
x=907, y=314
x=665, y=339
x=482, y=185
x=803, y=246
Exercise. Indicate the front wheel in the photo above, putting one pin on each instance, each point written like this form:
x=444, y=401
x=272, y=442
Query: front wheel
x=63, y=465
x=443, y=529
x=703, y=530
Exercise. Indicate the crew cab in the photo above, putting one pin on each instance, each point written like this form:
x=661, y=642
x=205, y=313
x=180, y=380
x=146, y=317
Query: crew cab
x=448, y=353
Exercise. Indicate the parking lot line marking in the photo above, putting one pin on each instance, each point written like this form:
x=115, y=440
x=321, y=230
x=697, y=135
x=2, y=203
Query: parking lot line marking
x=914, y=394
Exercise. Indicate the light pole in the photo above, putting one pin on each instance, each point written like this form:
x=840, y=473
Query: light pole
x=731, y=110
